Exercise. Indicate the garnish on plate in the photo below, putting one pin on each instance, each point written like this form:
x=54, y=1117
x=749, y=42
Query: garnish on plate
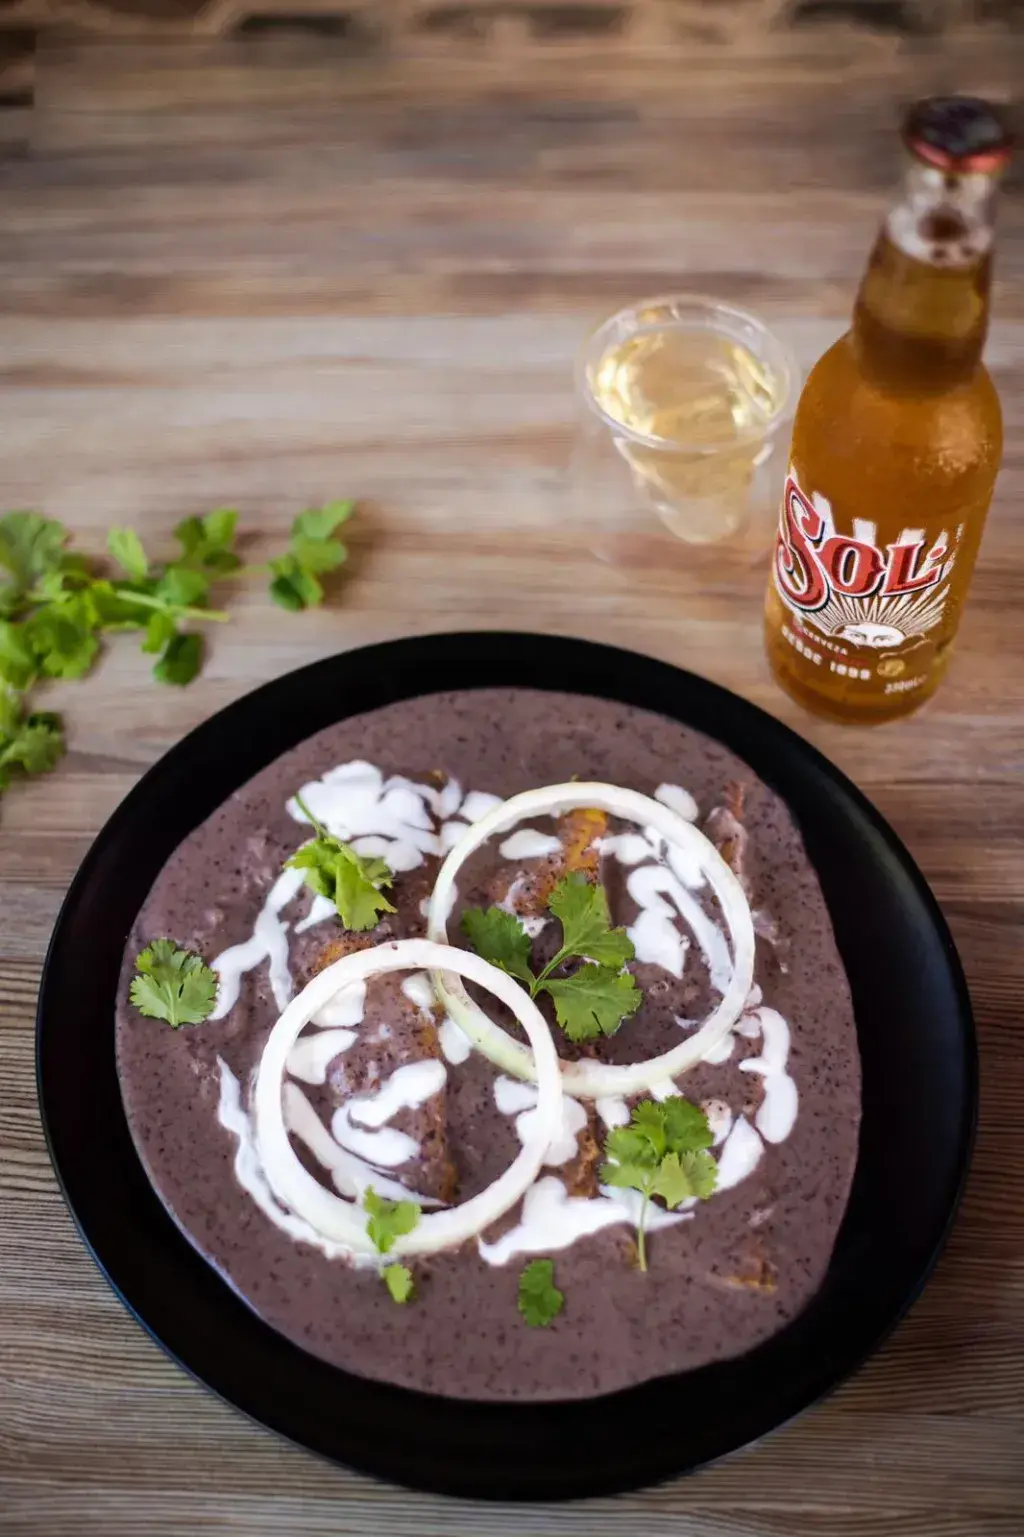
x=334, y=870
x=399, y=1282
x=390, y=1220
x=173, y=985
x=56, y=606
x=594, y=999
x=662, y=1152
x=539, y=1299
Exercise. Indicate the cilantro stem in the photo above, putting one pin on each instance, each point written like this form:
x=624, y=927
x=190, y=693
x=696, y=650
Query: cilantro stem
x=641, y=1231
x=318, y=827
x=163, y=607
x=539, y=981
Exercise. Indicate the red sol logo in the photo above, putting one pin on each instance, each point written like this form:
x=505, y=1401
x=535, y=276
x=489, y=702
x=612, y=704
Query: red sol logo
x=851, y=588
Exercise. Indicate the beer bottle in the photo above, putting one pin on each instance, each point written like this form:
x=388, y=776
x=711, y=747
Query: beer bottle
x=896, y=443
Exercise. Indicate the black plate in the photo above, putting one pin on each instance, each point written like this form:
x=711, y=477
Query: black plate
x=919, y=1065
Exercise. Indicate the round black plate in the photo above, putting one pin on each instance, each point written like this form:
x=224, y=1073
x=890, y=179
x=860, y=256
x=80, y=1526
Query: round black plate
x=919, y=1064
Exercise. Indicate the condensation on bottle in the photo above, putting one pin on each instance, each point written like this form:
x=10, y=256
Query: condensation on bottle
x=896, y=442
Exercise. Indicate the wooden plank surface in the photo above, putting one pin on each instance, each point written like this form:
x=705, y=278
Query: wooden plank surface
x=267, y=274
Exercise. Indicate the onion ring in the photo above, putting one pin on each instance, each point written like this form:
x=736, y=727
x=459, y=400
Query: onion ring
x=343, y=1222
x=587, y=1079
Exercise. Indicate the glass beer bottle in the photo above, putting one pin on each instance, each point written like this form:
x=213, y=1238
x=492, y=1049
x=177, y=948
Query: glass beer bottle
x=896, y=443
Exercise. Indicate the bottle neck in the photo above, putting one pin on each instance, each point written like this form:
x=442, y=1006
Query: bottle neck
x=921, y=315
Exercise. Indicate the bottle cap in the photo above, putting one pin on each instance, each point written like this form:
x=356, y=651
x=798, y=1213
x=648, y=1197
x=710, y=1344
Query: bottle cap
x=958, y=133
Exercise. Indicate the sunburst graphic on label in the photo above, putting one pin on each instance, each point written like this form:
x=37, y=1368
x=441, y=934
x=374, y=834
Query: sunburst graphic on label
x=880, y=623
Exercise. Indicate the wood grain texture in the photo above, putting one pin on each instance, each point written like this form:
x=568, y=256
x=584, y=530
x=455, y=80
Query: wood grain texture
x=265, y=274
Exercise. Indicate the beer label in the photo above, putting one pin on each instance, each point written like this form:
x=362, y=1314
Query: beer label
x=848, y=590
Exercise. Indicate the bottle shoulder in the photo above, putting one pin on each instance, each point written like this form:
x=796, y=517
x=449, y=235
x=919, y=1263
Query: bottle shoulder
x=844, y=416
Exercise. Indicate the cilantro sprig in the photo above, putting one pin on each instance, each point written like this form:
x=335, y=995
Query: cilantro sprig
x=388, y=1221
x=56, y=607
x=334, y=870
x=30, y=743
x=595, y=998
x=312, y=552
x=539, y=1299
x=662, y=1152
x=173, y=985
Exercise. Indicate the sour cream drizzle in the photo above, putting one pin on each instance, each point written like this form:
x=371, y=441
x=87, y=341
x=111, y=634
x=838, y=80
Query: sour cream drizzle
x=552, y=1219
x=514, y=1097
x=395, y=819
x=249, y=1169
x=776, y=1115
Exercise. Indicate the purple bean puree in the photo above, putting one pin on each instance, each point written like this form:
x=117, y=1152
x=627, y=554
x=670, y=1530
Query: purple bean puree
x=750, y=1258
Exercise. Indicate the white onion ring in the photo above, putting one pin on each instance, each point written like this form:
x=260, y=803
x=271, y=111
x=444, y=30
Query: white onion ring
x=586, y=1079
x=342, y=1221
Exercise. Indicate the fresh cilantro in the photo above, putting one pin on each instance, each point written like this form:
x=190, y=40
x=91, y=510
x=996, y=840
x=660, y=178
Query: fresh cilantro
x=29, y=744
x=18, y=667
x=173, y=985
x=55, y=608
x=389, y=1220
x=539, y=1299
x=125, y=546
x=182, y=588
x=596, y=998
x=63, y=637
x=399, y=1282
x=208, y=542
x=181, y=660
x=160, y=631
x=582, y=910
x=311, y=553
x=593, y=1001
x=31, y=548
x=662, y=1152
x=500, y=938
x=351, y=881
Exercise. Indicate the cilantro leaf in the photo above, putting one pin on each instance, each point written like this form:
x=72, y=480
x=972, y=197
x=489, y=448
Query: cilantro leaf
x=582, y=910
x=683, y=1176
x=539, y=1299
x=596, y=998
x=389, y=1220
x=173, y=985
x=662, y=1152
x=351, y=881
x=160, y=630
x=399, y=1282
x=181, y=660
x=292, y=587
x=631, y=1147
x=593, y=1001
x=111, y=608
x=501, y=939
x=650, y=1120
x=208, y=542
x=62, y=636
x=28, y=745
x=126, y=547
x=181, y=587
x=31, y=548
x=310, y=554
x=17, y=658
x=322, y=522
x=686, y=1125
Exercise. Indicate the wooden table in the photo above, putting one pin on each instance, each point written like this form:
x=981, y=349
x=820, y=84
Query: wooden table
x=266, y=274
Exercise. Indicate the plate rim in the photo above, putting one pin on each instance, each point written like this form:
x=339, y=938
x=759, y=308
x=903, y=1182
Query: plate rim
x=592, y=1482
